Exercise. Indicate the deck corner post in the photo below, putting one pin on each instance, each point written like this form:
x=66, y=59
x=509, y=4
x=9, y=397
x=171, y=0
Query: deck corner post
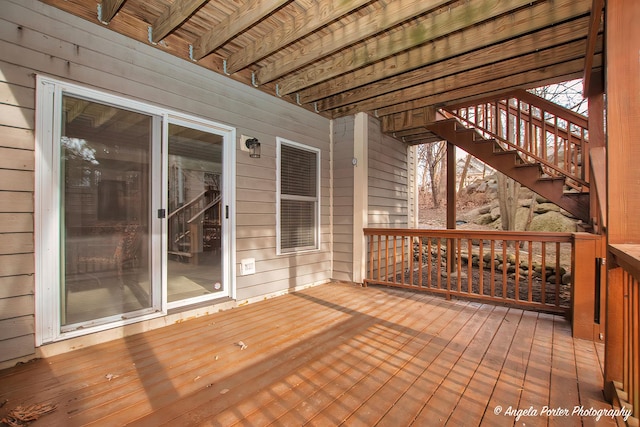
x=585, y=263
x=613, y=358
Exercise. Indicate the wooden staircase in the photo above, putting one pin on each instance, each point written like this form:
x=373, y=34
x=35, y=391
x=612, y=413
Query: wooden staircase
x=533, y=141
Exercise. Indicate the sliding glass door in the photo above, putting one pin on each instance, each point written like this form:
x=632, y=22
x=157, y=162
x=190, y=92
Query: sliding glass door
x=132, y=211
x=105, y=159
x=195, y=214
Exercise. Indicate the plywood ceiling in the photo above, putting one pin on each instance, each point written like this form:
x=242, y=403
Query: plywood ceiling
x=385, y=57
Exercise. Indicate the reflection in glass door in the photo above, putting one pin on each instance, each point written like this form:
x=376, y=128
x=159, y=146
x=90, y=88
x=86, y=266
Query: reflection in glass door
x=105, y=155
x=194, y=215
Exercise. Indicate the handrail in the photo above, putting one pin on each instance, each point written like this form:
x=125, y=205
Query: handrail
x=188, y=204
x=212, y=203
x=539, y=130
x=550, y=106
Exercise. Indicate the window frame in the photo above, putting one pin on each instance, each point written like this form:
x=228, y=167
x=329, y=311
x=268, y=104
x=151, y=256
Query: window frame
x=279, y=197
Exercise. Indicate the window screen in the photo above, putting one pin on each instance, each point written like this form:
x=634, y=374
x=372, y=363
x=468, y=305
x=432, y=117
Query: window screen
x=298, y=198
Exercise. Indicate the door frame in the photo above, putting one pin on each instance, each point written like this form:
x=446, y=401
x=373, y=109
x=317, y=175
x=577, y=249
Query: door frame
x=228, y=135
x=47, y=213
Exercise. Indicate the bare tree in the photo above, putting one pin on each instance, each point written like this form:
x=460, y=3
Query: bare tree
x=430, y=159
x=508, y=190
x=567, y=94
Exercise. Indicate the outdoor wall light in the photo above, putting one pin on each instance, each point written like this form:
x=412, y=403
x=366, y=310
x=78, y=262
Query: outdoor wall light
x=254, y=147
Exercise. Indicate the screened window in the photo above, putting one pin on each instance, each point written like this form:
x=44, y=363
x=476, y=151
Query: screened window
x=298, y=197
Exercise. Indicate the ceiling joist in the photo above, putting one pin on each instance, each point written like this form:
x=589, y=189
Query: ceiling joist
x=398, y=57
x=319, y=15
x=174, y=16
x=513, y=48
x=388, y=45
x=517, y=24
x=552, y=74
x=394, y=13
x=481, y=75
x=245, y=17
x=108, y=9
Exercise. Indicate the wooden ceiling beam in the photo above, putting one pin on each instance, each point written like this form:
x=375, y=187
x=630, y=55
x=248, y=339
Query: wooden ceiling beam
x=394, y=13
x=548, y=75
x=516, y=23
x=178, y=12
x=533, y=42
x=322, y=13
x=249, y=14
x=477, y=76
x=108, y=9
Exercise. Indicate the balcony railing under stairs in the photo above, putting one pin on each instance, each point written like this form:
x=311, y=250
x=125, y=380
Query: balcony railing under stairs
x=530, y=270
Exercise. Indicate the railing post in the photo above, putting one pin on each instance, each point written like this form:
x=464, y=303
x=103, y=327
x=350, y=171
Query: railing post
x=586, y=253
x=613, y=357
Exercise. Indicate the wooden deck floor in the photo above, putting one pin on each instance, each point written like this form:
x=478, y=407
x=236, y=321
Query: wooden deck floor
x=328, y=355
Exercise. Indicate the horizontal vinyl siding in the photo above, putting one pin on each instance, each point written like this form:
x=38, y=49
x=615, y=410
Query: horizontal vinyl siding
x=38, y=39
x=343, y=176
x=388, y=180
x=17, y=163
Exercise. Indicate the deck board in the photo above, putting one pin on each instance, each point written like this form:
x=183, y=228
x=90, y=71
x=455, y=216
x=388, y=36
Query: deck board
x=327, y=355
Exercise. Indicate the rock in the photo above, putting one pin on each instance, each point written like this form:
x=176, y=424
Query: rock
x=552, y=222
x=485, y=219
x=484, y=210
x=495, y=213
x=525, y=203
x=567, y=214
x=566, y=279
x=540, y=199
x=546, y=207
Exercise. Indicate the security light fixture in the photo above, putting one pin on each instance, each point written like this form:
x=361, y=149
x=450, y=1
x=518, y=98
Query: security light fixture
x=254, y=147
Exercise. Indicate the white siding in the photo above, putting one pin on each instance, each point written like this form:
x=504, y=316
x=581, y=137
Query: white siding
x=38, y=39
x=343, y=183
x=388, y=180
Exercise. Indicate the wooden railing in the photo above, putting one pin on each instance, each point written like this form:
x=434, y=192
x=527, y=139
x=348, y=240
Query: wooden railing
x=530, y=270
x=541, y=131
x=622, y=361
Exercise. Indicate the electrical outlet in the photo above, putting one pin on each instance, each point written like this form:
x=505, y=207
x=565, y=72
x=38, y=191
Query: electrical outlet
x=247, y=266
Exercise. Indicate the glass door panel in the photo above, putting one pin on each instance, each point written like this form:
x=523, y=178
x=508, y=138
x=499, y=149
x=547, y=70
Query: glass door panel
x=194, y=220
x=105, y=157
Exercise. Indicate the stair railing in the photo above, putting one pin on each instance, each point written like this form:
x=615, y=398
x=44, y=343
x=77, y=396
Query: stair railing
x=539, y=130
x=180, y=230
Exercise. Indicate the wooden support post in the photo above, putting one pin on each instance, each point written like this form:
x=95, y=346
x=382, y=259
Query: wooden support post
x=451, y=186
x=613, y=356
x=622, y=70
x=451, y=204
x=583, y=286
x=596, y=140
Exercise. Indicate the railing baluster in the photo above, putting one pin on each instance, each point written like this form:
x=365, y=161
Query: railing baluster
x=379, y=259
x=469, y=266
x=430, y=256
x=517, y=272
x=543, y=277
x=481, y=267
x=493, y=268
x=504, y=269
x=558, y=275
x=459, y=264
x=439, y=265
x=530, y=273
